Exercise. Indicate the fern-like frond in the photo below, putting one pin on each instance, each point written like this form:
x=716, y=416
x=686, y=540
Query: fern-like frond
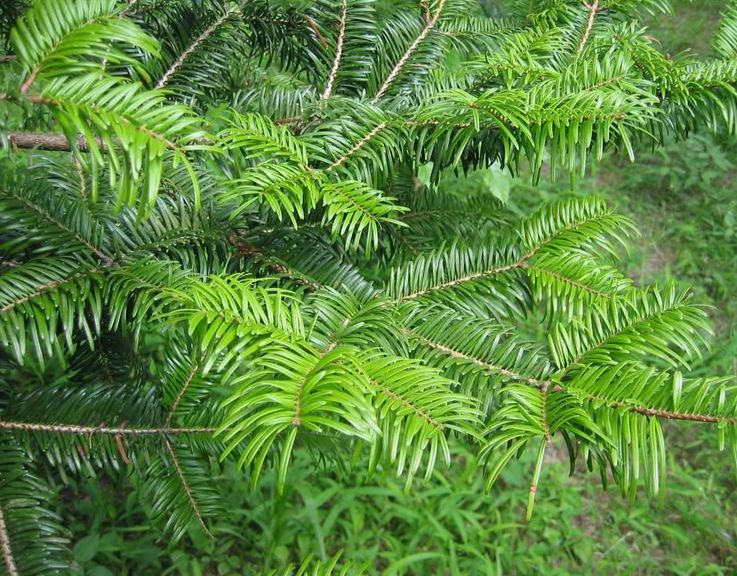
x=356, y=211
x=126, y=128
x=291, y=388
x=408, y=43
x=259, y=138
x=659, y=325
x=481, y=354
x=530, y=415
x=77, y=407
x=416, y=408
x=574, y=225
x=567, y=284
x=342, y=318
x=182, y=492
x=194, y=57
x=47, y=214
x=725, y=39
x=362, y=143
x=47, y=297
x=59, y=37
x=292, y=254
x=32, y=539
x=350, y=29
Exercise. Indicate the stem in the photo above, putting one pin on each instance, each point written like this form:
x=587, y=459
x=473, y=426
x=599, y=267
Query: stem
x=356, y=147
x=91, y=430
x=486, y=365
x=10, y=566
x=338, y=52
x=536, y=478
x=187, y=489
x=593, y=9
x=192, y=47
x=407, y=404
x=412, y=48
x=182, y=392
x=49, y=141
x=45, y=288
x=468, y=278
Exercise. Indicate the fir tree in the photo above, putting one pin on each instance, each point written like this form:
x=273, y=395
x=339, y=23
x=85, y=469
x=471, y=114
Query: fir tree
x=224, y=237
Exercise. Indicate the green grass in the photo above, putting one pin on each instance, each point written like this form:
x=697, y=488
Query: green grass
x=448, y=526
x=689, y=27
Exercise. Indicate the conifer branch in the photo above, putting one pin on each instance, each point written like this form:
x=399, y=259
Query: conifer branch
x=59, y=142
x=628, y=326
x=356, y=370
x=10, y=566
x=659, y=413
x=463, y=280
x=182, y=392
x=107, y=260
x=192, y=47
x=566, y=280
x=46, y=287
x=522, y=263
x=430, y=24
x=357, y=146
x=407, y=404
x=186, y=487
x=486, y=365
x=338, y=52
x=670, y=415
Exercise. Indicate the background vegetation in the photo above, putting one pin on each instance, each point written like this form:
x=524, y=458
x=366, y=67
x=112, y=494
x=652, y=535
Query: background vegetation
x=684, y=198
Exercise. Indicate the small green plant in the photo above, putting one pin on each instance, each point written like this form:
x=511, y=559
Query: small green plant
x=219, y=259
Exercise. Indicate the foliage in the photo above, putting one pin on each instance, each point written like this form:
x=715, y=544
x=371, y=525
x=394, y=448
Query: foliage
x=217, y=259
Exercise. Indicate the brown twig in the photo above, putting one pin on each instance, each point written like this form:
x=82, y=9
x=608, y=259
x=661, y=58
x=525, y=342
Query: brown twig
x=665, y=414
x=187, y=489
x=49, y=141
x=593, y=8
x=182, y=392
x=10, y=566
x=87, y=430
x=357, y=146
x=338, y=52
x=313, y=26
